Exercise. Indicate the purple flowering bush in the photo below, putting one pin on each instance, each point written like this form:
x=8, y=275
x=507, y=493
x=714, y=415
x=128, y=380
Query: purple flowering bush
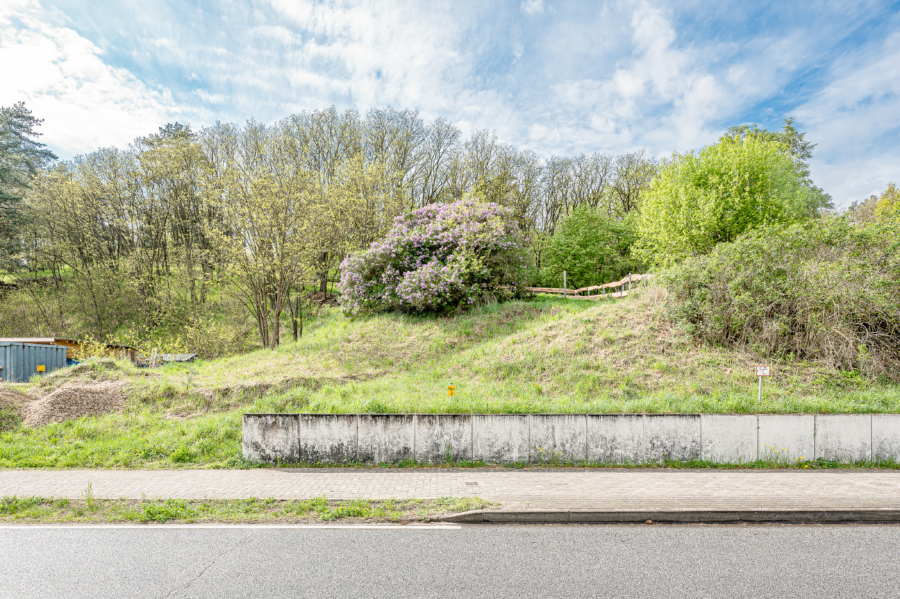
x=440, y=258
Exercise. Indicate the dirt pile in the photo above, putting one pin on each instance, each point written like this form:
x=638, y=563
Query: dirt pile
x=14, y=400
x=74, y=400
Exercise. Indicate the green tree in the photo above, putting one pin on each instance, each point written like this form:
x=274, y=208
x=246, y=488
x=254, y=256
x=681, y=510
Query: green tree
x=888, y=206
x=701, y=199
x=794, y=143
x=592, y=248
x=21, y=156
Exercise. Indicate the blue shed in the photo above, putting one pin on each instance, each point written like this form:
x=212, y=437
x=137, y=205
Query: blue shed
x=19, y=361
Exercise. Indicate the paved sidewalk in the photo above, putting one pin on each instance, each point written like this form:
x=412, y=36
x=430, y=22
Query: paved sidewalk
x=602, y=489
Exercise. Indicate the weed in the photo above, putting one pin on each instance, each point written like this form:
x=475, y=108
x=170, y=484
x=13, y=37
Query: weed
x=170, y=509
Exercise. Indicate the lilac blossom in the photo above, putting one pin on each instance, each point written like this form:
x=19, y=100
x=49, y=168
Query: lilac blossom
x=439, y=258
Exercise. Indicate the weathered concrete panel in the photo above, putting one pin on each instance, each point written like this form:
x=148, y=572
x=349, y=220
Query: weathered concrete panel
x=786, y=438
x=500, y=438
x=270, y=437
x=443, y=438
x=729, y=438
x=844, y=437
x=886, y=437
x=328, y=438
x=385, y=438
x=671, y=437
x=558, y=438
x=615, y=438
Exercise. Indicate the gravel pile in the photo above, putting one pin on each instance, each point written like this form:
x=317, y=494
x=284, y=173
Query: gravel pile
x=74, y=400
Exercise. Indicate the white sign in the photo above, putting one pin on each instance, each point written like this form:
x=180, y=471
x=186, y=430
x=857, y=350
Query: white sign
x=763, y=371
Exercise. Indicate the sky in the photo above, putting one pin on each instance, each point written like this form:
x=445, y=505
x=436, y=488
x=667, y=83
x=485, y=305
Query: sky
x=555, y=77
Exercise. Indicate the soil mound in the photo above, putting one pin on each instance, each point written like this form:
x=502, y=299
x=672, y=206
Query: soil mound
x=74, y=400
x=14, y=399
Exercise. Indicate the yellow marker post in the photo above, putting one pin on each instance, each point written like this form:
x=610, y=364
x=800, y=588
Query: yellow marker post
x=451, y=390
x=41, y=368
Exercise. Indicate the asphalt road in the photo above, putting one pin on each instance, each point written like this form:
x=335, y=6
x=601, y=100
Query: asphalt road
x=471, y=561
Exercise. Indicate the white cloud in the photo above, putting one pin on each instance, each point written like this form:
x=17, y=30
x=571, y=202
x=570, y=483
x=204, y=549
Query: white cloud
x=209, y=98
x=401, y=53
x=532, y=7
x=666, y=95
x=62, y=78
x=855, y=119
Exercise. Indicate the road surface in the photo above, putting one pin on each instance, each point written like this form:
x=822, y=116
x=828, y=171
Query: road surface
x=468, y=561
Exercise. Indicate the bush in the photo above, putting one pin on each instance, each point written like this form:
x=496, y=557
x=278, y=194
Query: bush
x=443, y=257
x=822, y=290
x=591, y=248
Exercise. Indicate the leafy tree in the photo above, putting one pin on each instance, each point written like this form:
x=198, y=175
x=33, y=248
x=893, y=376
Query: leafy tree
x=888, y=205
x=701, y=199
x=21, y=156
x=592, y=248
x=265, y=200
x=794, y=143
x=634, y=172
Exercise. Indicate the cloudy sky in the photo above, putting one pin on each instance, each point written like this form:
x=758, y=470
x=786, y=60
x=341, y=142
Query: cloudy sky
x=556, y=77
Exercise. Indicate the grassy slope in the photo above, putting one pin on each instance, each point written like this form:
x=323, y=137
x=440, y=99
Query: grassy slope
x=546, y=355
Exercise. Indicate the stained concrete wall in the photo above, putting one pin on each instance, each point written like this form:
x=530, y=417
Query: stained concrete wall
x=328, y=438
x=271, y=437
x=550, y=438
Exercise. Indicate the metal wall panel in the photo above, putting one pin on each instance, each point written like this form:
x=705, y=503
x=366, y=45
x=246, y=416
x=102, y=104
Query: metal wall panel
x=6, y=351
x=20, y=361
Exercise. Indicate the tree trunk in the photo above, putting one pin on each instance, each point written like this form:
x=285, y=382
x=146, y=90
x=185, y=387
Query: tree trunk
x=296, y=311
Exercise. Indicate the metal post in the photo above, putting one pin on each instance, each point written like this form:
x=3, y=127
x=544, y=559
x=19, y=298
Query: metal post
x=565, y=293
x=759, y=398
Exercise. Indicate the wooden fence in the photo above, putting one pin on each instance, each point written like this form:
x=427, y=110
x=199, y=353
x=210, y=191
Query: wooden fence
x=600, y=291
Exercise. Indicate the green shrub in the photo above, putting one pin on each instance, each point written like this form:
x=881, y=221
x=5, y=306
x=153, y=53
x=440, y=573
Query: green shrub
x=822, y=290
x=592, y=248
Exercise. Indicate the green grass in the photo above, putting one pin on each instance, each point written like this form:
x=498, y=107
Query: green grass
x=36, y=510
x=547, y=355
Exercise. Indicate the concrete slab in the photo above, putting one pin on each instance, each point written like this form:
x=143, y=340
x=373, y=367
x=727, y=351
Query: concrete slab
x=886, y=437
x=328, y=438
x=844, y=437
x=500, y=438
x=385, y=438
x=786, y=438
x=729, y=438
x=443, y=438
x=556, y=438
x=270, y=437
x=615, y=438
x=671, y=437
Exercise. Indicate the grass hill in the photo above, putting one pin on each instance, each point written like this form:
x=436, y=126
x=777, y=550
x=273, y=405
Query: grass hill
x=543, y=355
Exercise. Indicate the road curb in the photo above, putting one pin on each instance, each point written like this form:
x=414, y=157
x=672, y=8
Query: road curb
x=683, y=516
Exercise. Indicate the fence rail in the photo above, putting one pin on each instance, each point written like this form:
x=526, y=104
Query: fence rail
x=584, y=293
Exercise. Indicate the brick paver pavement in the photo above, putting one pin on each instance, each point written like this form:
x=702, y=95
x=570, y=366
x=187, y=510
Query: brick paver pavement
x=571, y=488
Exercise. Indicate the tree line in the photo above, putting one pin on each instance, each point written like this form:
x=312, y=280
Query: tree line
x=165, y=232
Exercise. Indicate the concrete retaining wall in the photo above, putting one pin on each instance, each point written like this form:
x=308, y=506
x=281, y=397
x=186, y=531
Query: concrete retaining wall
x=554, y=438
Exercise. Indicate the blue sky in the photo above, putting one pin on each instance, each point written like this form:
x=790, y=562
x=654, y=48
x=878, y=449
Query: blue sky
x=552, y=76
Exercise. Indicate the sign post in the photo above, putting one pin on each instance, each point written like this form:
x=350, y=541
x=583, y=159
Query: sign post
x=762, y=371
x=451, y=390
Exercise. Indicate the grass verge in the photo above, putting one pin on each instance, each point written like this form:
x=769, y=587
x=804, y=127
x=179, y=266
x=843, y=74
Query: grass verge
x=88, y=510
